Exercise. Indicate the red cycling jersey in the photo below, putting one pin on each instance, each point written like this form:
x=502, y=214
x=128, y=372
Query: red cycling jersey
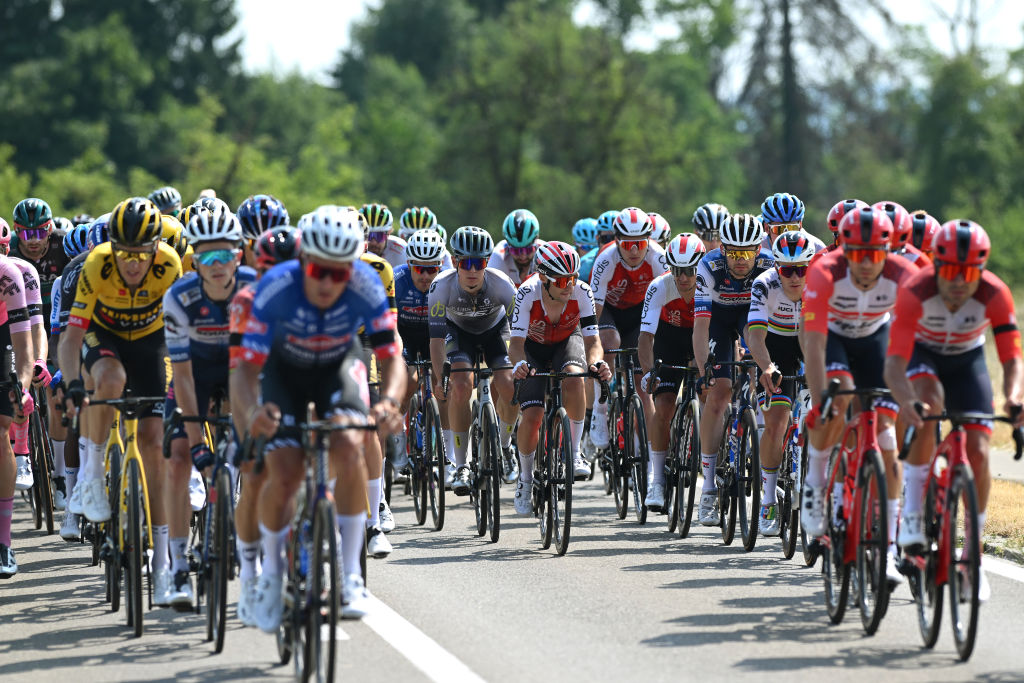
x=664, y=303
x=530, y=320
x=617, y=285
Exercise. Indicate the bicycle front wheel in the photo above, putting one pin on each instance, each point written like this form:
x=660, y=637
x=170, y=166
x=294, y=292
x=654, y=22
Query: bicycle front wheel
x=434, y=451
x=727, y=487
x=805, y=543
x=133, y=548
x=748, y=480
x=560, y=481
x=217, y=603
x=639, y=457
x=418, y=463
x=923, y=582
x=105, y=535
x=322, y=614
x=492, y=474
x=691, y=466
x=617, y=446
x=964, y=559
x=673, y=467
x=873, y=543
x=42, y=463
x=479, y=491
x=834, y=569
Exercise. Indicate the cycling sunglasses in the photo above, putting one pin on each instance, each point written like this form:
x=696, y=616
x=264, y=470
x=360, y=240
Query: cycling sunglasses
x=421, y=270
x=779, y=228
x=318, y=272
x=473, y=263
x=563, y=282
x=680, y=271
x=604, y=238
x=862, y=254
x=951, y=271
x=709, y=236
x=523, y=251
x=740, y=254
x=377, y=236
x=792, y=271
x=141, y=256
x=629, y=244
x=216, y=256
x=33, y=234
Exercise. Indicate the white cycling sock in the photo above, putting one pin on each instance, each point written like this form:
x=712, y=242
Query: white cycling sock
x=505, y=432
x=894, y=518
x=96, y=460
x=248, y=559
x=526, y=466
x=70, y=479
x=373, y=493
x=707, y=466
x=914, y=478
x=273, y=550
x=353, y=536
x=161, y=560
x=59, y=468
x=20, y=461
x=83, y=458
x=461, y=446
x=817, y=463
x=981, y=523
x=576, y=427
x=179, y=558
x=658, y=466
x=769, y=479
x=449, y=443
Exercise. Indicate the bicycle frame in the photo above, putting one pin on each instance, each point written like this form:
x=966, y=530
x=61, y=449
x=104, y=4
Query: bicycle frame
x=130, y=451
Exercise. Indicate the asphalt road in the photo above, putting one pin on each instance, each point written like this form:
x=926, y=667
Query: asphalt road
x=627, y=603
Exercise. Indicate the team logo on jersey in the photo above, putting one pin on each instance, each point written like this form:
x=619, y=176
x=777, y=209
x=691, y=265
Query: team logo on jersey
x=189, y=296
x=8, y=286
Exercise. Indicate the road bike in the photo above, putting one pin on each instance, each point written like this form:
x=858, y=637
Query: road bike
x=626, y=458
x=683, y=462
x=424, y=445
x=794, y=461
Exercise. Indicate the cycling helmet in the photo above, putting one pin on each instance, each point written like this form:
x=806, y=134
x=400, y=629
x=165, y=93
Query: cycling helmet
x=633, y=223
x=923, y=230
x=98, y=233
x=332, y=233
x=82, y=219
x=962, y=241
x=212, y=204
x=584, y=233
x=470, y=241
x=557, y=259
x=685, y=250
x=172, y=232
x=425, y=245
x=186, y=213
x=5, y=232
x=276, y=245
x=902, y=224
x=606, y=221
x=135, y=222
x=439, y=229
x=378, y=217
x=836, y=213
x=417, y=217
x=259, y=213
x=865, y=227
x=33, y=214
x=61, y=225
x=213, y=226
x=742, y=230
x=520, y=228
x=661, y=231
x=794, y=246
x=710, y=218
x=76, y=240
x=167, y=198
x=782, y=207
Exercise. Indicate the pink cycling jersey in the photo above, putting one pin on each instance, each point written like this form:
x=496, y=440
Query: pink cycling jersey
x=33, y=293
x=13, y=306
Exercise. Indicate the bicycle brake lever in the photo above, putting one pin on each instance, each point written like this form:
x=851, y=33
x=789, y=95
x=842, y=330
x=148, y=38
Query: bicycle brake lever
x=1018, y=440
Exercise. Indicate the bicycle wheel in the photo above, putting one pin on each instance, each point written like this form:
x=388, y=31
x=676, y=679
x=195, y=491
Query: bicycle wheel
x=691, y=466
x=805, y=543
x=491, y=467
x=220, y=559
x=727, y=494
x=560, y=482
x=106, y=534
x=834, y=570
x=673, y=466
x=322, y=613
x=748, y=479
x=389, y=468
x=873, y=543
x=42, y=467
x=479, y=491
x=418, y=472
x=639, y=457
x=964, y=548
x=616, y=448
x=543, y=468
x=133, y=546
x=433, y=445
x=923, y=582
x=789, y=507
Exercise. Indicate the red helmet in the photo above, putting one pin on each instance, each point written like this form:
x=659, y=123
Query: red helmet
x=557, y=259
x=925, y=227
x=901, y=222
x=962, y=241
x=865, y=227
x=842, y=208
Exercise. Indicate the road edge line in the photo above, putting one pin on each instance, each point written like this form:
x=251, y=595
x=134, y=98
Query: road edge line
x=1003, y=568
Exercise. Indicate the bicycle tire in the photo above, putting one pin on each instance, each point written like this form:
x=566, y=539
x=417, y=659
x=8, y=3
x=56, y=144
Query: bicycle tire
x=834, y=571
x=618, y=458
x=673, y=467
x=727, y=496
x=748, y=480
x=438, y=460
x=873, y=542
x=639, y=456
x=217, y=604
x=323, y=595
x=560, y=485
x=539, y=486
x=691, y=465
x=414, y=450
x=285, y=637
x=789, y=509
x=479, y=490
x=106, y=532
x=134, y=547
x=389, y=468
x=42, y=464
x=965, y=571
x=805, y=543
x=493, y=479
x=923, y=582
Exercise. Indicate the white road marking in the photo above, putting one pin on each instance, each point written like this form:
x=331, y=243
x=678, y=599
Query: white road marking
x=325, y=633
x=420, y=649
x=1003, y=568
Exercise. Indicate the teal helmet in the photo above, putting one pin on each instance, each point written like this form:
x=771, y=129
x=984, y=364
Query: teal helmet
x=520, y=228
x=32, y=214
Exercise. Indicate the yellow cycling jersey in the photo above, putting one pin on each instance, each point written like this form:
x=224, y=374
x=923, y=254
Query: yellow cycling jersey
x=103, y=299
x=186, y=261
x=387, y=276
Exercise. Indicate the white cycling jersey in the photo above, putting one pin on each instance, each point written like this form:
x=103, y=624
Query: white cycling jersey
x=501, y=259
x=770, y=308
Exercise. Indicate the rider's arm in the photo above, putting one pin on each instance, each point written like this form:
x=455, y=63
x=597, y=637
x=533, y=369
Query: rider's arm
x=756, y=336
x=23, y=356
x=814, y=323
x=516, y=350
x=1000, y=312
x=69, y=352
x=438, y=322
x=654, y=300
x=702, y=313
x=901, y=345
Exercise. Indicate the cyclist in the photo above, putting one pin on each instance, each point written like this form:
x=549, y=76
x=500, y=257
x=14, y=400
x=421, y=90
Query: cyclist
x=784, y=212
x=620, y=280
x=468, y=315
x=118, y=314
x=923, y=230
x=661, y=233
x=196, y=331
x=584, y=234
x=416, y=218
x=514, y=255
x=903, y=226
x=167, y=199
x=554, y=328
x=847, y=303
x=379, y=239
x=666, y=333
x=82, y=219
x=605, y=236
x=38, y=244
x=424, y=255
x=724, y=280
x=61, y=226
x=257, y=214
x=172, y=234
x=708, y=221
x=835, y=215
x=771, y=335
x=300, y=346
x=274, y=246
x=936, y=356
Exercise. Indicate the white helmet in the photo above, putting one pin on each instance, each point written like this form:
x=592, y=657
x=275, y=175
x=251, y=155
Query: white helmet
x=662, y=231
x=219, y=225
x=685, y=251
x=425, y=245
x=632, y=223
x=332, y=233
x=557, y=259
x=794, y=246
x=406, y=232
x=710, y=218
x=742, y=230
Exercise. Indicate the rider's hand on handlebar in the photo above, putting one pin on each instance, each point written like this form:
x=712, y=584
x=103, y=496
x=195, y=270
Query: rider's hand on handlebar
x=74, y=397
x=387, y=417
x=604, y=373
x=41, y=374
x=911, y=412
x=264, y=420
x=768, y=380
x=1015, y=407
x=522, y=370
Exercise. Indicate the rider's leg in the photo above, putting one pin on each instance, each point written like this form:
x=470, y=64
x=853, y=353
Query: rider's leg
x=776, y=422
x=712, y=428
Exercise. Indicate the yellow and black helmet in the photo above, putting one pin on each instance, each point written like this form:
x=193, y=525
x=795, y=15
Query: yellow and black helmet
x=135, y=222
x=378, y=217
x=171, y=233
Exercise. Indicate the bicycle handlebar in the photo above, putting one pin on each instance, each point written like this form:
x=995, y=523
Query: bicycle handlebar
x=559, y=376
x=958, y=419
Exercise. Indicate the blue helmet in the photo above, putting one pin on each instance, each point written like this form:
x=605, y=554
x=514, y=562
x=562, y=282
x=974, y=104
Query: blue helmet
x=606, y=221
x=260, y=213
x=584, y=233
x=76, y=240
x=782, y=207
x=98, y=233
x=520, y=228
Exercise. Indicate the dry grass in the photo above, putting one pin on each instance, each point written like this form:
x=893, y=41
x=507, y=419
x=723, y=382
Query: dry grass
x=1005, y=517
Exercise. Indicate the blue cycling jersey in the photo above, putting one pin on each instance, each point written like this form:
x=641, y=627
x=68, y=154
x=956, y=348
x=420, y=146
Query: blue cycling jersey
x=587, y=264
x=716, y=285
x=304, y=336
x=413, y=312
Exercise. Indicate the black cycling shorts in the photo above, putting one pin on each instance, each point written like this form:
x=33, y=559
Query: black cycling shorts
x=862, y=359
x=204, y=392
x=146, y=362
x=415, y=340
x=557, y=357
x=463, y=347
x=964, y=378
x=7, y=367
x=726, y=326
x=787, y=356
x=673, y=346
x=625, y=320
